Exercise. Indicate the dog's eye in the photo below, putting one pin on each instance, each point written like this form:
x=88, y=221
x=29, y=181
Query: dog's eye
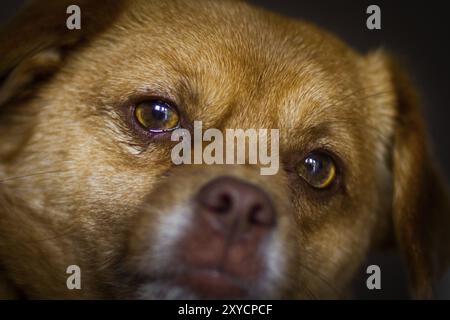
x=318, y=170
x=157, y=116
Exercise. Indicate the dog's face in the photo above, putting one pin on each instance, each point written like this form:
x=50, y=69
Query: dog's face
x=88, y=180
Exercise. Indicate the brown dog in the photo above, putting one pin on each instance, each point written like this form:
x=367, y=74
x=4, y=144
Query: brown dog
x=85, y=156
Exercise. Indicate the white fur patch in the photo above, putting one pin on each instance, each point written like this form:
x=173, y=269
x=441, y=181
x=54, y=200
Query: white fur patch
x=172, y=227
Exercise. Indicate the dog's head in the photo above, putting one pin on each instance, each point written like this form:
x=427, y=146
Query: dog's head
x=87, y=177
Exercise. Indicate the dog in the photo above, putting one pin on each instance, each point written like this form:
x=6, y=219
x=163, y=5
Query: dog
x=86, y=176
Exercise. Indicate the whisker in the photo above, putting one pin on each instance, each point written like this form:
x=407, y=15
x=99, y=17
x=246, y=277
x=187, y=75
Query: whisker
x=322, y=279
x=31, y=175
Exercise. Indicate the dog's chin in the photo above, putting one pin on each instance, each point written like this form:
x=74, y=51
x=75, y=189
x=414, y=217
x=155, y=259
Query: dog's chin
x=202, y=284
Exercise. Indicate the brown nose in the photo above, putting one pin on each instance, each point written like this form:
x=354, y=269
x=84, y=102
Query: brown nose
x=236, y=207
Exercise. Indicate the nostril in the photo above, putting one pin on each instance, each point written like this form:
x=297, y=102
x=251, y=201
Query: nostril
x=254, y=214
x=216, y=200
x=260, y=215
x=223, y=205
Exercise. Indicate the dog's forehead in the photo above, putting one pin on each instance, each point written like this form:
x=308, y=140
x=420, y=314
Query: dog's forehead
x=226, y=55
x=222, y=36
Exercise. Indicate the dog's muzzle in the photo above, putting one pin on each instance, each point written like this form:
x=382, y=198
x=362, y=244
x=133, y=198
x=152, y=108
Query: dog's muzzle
x=218, y=242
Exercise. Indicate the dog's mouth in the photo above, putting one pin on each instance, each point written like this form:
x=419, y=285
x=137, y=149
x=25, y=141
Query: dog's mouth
x=212, y=284
x=199, y=283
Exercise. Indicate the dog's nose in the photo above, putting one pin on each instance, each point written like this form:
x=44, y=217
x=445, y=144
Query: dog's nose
x=236, y=207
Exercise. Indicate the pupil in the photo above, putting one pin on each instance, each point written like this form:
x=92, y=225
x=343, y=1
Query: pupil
x=313, y=165
x=159, y=112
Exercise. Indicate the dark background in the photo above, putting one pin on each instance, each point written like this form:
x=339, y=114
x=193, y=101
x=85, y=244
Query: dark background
x=418, y=34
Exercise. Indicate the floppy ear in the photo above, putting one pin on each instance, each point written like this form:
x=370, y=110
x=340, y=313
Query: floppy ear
x=35, y=43
x=421, y=211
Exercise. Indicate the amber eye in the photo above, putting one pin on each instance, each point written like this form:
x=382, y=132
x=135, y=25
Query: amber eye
x=318, y=170
x=157, y=116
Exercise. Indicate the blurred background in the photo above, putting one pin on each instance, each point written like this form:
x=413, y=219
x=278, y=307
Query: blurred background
x=418, y=34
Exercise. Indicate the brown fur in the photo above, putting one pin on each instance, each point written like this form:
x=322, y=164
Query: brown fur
x=78, y=186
